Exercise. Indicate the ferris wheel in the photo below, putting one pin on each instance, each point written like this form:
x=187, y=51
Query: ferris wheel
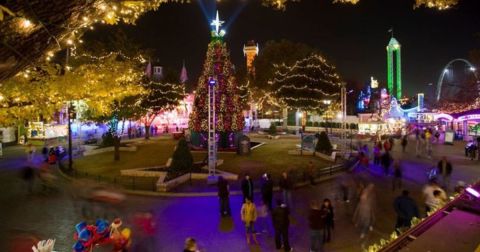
x=458, y=78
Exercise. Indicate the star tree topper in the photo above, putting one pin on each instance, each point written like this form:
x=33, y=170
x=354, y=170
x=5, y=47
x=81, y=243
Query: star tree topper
x=217, y=23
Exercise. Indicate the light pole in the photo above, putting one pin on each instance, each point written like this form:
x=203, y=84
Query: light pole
x=212, y=143
x=326, y=103
x=343, y=96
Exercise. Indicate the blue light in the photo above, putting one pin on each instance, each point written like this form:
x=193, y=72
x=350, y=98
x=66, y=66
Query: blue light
x=212, y=82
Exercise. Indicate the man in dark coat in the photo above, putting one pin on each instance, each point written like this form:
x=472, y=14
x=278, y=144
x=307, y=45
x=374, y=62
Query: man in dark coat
x=316, y=222
x=247, y=188
x=267, y=190
x=223, y=194
x=445, y=170
x=280, y=220
x=406, y=209
x=386, y=160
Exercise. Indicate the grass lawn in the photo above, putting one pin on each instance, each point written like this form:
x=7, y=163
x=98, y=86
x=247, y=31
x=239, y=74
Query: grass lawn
x=272, y=157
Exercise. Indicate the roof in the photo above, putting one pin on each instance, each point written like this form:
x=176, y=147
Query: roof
x=393, y=42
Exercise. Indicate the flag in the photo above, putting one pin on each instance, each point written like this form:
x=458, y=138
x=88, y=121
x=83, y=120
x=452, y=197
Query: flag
x=183, y=74
x=148, y=70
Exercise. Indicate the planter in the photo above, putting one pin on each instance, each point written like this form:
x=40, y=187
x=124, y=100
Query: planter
x=108, y=149
x=330, y=158
x=161, y=173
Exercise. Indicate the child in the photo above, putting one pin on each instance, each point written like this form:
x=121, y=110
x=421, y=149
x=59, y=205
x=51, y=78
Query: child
x=249, y=216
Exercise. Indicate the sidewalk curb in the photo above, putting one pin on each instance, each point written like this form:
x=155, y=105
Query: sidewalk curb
x=205, y=194
x=215, y=194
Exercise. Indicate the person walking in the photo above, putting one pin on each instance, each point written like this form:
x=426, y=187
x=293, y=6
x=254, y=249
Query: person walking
x=386, y=160
x=29, y=174
x=267, y=190
x=428, y=143
x=397, y=175
x=417, y=142
x=445, y=170
x=316, y=222
x=364, y=216
x=286, y=186
x=310, y=173
x=262, y=213
x=223, y=194
x=327, y=208
x=406, y=209
x=386, y=145
x=404, y=143
x=249, y=216
x=247, y=188
x=281, y=222
x=377, y=154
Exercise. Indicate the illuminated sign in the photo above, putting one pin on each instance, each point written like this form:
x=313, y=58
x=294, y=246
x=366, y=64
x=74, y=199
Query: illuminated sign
x=469, y=117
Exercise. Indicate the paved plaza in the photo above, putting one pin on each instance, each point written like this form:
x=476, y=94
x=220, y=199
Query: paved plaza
x=53, y=215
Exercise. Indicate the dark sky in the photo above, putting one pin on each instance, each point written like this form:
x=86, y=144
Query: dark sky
x=353, y=37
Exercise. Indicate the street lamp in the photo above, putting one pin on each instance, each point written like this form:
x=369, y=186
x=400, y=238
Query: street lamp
x=212, y=143
x=326, y=103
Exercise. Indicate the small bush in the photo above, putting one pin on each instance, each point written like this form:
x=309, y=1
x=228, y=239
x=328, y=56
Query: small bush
x=182, y=159
x=272, y=130
x=323, y=143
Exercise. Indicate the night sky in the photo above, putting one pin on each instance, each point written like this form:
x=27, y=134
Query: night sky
x=353, y=37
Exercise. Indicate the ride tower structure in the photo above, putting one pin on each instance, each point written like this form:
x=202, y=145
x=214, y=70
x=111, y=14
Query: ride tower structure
x=394, y=69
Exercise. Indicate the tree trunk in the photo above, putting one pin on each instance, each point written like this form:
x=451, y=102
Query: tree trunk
x=116, y=146
x=147, y=132
x=285, y=118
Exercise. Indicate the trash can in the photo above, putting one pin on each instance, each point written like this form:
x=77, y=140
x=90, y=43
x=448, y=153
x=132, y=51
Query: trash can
x=244, y=146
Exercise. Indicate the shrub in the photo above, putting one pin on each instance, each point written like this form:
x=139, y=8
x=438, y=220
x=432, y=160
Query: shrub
x=323, y=143
x=107, y=139
x=182, y=159
x=272, y=130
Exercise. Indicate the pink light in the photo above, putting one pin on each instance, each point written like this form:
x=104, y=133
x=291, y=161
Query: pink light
x=473, y=192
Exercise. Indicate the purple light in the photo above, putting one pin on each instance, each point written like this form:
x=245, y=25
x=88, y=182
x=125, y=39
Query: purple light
x=473, y=192
x=212, y=82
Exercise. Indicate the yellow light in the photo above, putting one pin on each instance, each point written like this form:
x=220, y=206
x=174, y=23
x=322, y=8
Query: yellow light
x=69, y=42
x=85, y=19
x=26, y=24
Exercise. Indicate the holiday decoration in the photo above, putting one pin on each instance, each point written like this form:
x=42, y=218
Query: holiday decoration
x=306, y=85
x=88, y=236
x=228, y=109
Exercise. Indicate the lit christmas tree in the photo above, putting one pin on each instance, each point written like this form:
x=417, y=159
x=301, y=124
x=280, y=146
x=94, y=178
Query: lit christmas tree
x=228, y=108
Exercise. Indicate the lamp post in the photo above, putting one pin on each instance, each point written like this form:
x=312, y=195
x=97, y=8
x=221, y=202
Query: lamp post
x=212, y=143
x=326, y=103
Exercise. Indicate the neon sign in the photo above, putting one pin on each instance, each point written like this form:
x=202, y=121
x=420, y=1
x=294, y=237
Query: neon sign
x=469, y=117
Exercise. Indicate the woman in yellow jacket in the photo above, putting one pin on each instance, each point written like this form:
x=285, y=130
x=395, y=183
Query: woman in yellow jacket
x=249, y=216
